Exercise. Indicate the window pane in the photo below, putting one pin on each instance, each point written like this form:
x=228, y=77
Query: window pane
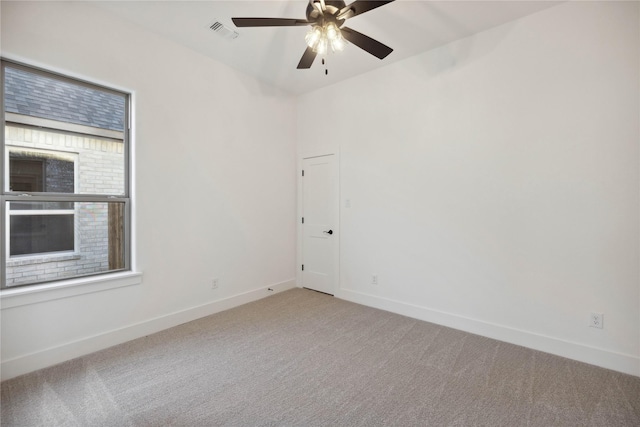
x=51, y=124
x=53, y=246
x=33, y=171
x=37, y=95
x=26, y=175
x=35, y=234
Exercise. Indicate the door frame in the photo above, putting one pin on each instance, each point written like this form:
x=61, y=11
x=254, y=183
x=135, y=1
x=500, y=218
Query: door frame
x=336, y=227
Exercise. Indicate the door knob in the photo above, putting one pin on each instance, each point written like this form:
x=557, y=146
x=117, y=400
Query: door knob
x=328, y=232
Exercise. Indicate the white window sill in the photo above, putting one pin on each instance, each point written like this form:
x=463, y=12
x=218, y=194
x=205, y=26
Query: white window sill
x=26, y=295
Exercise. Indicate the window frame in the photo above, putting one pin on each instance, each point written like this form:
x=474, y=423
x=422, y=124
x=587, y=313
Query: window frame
x=7, y=196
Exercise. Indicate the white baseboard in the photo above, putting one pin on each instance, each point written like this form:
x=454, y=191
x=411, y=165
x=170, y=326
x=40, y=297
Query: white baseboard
x=31, y=362
x=625, y=363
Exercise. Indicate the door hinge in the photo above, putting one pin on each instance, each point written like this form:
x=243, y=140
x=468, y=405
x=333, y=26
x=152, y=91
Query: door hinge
x=303, y=172
x=302, y=267
x=303, y=220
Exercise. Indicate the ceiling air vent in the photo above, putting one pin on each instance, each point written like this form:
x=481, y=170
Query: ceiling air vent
x=223, y=31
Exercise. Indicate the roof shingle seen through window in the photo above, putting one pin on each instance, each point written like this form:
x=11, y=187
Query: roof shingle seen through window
x=39, y=96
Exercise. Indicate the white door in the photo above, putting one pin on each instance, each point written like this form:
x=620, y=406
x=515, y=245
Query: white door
x=320, y=223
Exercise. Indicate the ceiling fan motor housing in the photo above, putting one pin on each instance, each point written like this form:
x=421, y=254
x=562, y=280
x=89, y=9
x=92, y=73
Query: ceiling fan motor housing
x=330, y=13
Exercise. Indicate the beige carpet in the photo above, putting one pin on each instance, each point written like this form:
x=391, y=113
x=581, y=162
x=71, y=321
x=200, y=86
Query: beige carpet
x=300, y=358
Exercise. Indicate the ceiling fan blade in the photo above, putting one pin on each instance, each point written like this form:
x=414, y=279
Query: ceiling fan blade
x=372, y=46
x=361, y=6
x=307, y=58
x=269, y=22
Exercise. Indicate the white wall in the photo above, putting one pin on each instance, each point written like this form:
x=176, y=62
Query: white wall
x=494, y=182
x=215, y=182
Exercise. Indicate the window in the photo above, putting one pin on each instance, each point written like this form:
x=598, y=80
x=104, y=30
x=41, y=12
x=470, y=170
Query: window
x=39, y=228
x=65, y=182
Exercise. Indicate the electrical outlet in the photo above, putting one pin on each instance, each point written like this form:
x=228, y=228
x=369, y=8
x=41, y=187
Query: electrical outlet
x=374, y=279
x=596, y=320
x=214, y=283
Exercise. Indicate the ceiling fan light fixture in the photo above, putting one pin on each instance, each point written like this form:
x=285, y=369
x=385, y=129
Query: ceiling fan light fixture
x=321, y=47
x=332, y=31
x=337, y=45
x=320, y=38
x=314, y=36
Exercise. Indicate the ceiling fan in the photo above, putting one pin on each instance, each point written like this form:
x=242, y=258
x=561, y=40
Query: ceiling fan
x=327, y=18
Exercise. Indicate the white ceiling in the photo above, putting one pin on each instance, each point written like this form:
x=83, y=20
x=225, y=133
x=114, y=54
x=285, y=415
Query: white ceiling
x=271, y=54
